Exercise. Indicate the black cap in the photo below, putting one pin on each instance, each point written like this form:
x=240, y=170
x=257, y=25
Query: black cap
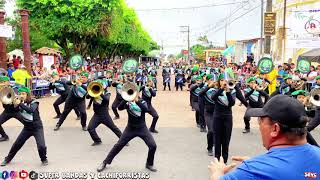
x=283, y=109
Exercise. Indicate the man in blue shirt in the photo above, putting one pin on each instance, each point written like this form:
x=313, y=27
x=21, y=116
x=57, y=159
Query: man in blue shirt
x=282, y=124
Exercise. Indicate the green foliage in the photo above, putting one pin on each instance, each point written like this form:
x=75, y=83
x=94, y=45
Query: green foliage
x=90, y=27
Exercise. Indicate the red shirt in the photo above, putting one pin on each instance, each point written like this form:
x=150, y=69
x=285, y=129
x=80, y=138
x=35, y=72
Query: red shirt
x=16, y=63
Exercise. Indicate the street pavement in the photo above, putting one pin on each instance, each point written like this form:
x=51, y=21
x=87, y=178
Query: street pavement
x=181, y=148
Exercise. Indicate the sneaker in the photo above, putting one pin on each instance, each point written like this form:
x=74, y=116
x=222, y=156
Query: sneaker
x=115, y=118
x=4, y=138
x=210, y=153
x=45, y=162
x=245, y=131
x=96, y=143
x=56, y=117
x=4, y=163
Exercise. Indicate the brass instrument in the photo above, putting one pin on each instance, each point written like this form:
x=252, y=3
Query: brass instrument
x=231, y=84
x=263, y=86
x=129, y=91
x=7, y=96
x=315, y=97
x=298, y=84
x=95, y=89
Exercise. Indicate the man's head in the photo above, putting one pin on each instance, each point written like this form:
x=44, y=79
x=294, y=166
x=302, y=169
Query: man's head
x=282, y=122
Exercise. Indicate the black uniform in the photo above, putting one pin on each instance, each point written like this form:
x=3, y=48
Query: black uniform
x=147, y=95
x=194, y=91
x=223, y=121
x=9, y=112
x=118, y=98
x=166, y=78
x=255, y=101
x=76, y=100
x=101, y=116
x=136, y=127
x=63, y=89
x=285, y=89
x=32, y=127
x=312, y=125
x=207, y=93
x=153, y=73
x=180, y=80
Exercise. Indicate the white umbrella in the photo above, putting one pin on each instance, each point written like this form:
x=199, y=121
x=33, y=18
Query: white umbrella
x=17, y=52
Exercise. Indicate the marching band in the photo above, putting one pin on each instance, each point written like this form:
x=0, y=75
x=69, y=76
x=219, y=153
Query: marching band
x=213, y=89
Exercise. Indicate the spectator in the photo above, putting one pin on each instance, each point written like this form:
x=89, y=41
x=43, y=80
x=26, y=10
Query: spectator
x=311, y=78
x=282, y=124
x=281, y=73
x=11, y=69
x=21, y=76
x=20, y=60
x=15, y=62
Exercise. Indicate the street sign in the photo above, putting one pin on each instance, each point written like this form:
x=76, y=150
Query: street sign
x=269, y=24
x=6, y=31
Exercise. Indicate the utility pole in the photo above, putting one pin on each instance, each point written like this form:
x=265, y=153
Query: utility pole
x=284, y=30
x=187, y=30
x=261, y=34
x=267, y=47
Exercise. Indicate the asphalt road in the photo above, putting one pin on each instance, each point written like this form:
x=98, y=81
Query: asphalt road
x=181, y=152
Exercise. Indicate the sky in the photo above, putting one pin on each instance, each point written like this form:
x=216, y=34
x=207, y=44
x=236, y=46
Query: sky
x=210, y=20
x=164, y=26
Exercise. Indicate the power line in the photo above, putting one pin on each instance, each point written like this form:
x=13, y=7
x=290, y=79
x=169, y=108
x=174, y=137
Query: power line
x=191, y=7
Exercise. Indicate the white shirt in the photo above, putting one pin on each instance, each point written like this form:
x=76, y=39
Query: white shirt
x=312, y=74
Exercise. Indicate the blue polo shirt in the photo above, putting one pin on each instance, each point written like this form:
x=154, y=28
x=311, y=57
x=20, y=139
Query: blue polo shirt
x=290, y=163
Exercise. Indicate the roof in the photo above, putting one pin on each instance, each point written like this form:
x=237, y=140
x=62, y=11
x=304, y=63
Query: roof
x=48, y=51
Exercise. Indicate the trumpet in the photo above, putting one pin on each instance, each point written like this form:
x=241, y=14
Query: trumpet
x=231, y=84
x=95, y=89
x=129, y=91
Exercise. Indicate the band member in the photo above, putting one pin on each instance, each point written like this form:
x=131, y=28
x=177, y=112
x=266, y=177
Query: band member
x=29, y=109
x=194, y=91
x=253, y=95
x=118, y=85
x=9, y=110
x=153, y=73
x=302, y=96
x=139, y=77
x=224, y=99
x=101, y=116
x=201, y=104
x=286, y=87
x=136, y=127
x=166, y=78
x=63, y=89
x=180, y=80
x=148, y=92
x=207, y=93
x=76, y=100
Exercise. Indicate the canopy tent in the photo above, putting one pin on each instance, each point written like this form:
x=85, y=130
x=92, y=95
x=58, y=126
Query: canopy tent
x=312, y=55
x=17, y=52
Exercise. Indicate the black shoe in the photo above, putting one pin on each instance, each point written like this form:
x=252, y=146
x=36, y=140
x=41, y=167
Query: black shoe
x=151, y=168
x=4, y=163
x=198, y=125
x=57, y=117
x=45, y=163
x=245, y=131
x=127, y=144
x=84, y=129
x=192, y=109
x=202, y=129
x=56, y=128
x=115, y=118
x=210, y=153
x=101, y=167
x=78, y=118
x=154, y=131
x=6, y=138
x=96, y=143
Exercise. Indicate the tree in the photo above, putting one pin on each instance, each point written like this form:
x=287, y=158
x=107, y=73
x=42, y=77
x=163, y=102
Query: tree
x=198, y=51
x=90, y=27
